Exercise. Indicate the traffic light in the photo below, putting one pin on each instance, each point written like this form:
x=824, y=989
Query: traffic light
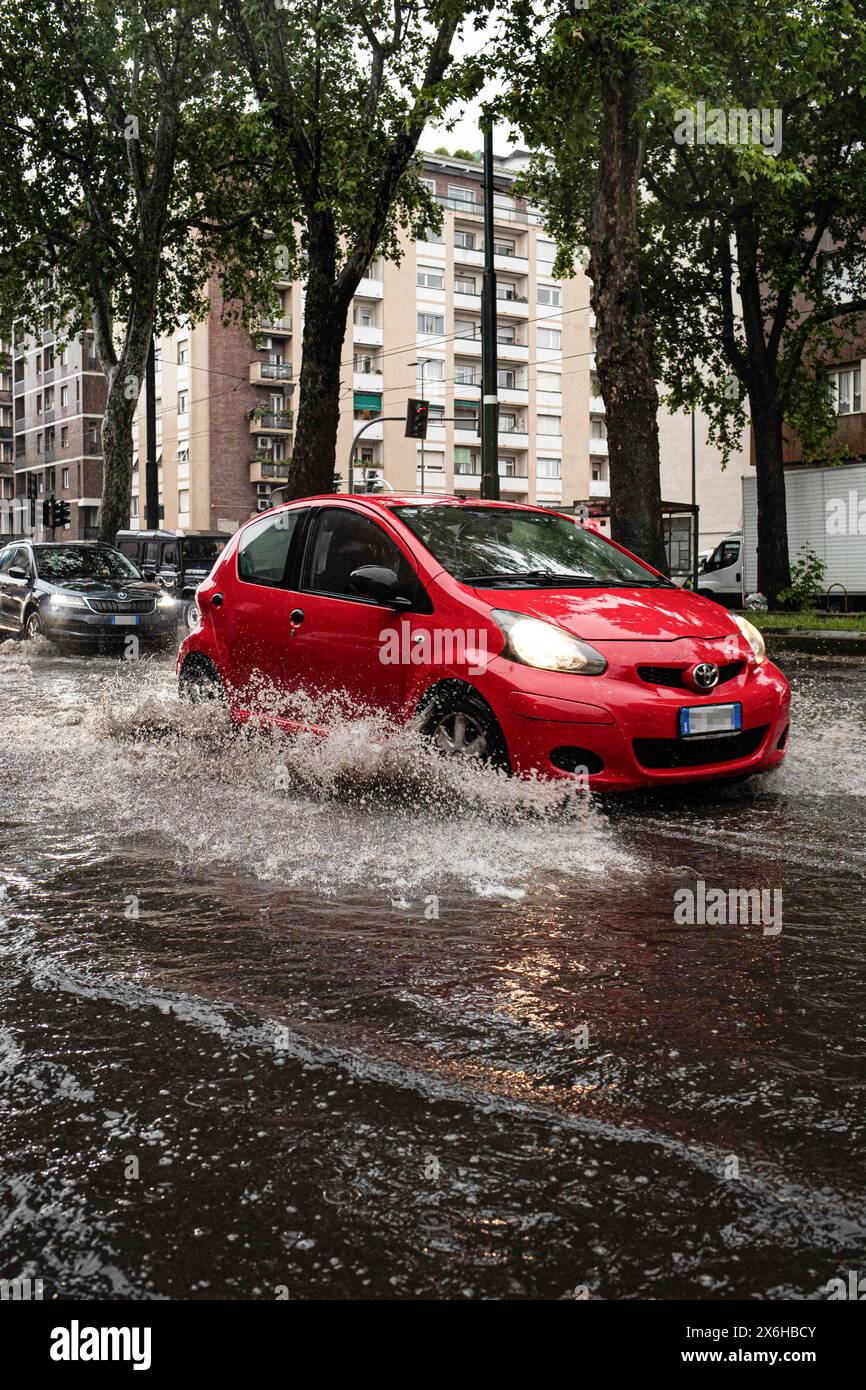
x=47, y=514
x=338, y=482
x=32, y=486
x=417, y=414
x=61, y=512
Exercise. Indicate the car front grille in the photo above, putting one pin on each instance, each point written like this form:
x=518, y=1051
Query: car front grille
x=686, y=752
x=116, y=605
x=675, y=675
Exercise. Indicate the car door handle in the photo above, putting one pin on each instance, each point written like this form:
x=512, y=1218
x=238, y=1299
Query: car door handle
x=296, y=616
x=217, y=600
x=739, y=577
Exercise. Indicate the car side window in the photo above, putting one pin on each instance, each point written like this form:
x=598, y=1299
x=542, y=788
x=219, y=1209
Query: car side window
x=21, y=559
x=264, y=547
x=169, y=555
x=343, y=542
x=730, y=553
x=6, y=558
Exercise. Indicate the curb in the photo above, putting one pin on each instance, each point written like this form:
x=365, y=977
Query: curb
x=817, y=640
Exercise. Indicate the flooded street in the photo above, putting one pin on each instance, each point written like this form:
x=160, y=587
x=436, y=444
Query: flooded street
x=293, y=1018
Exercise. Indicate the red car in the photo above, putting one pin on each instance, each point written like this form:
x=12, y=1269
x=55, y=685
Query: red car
x=512, y=633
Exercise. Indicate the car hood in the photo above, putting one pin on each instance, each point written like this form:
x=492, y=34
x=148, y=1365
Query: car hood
x=619, y=615
x=102, y=588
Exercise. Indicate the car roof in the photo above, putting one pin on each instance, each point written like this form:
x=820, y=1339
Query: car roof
x=389, y=500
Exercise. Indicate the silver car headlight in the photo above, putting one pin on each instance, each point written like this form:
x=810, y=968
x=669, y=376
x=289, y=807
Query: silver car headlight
x=546, y=646
x=67, y=601
x=752, y=636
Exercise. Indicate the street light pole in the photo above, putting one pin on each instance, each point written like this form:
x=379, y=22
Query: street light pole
x=489, y=395
x=422, y=363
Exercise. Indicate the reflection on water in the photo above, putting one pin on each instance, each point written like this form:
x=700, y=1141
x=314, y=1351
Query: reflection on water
x=375, y=1024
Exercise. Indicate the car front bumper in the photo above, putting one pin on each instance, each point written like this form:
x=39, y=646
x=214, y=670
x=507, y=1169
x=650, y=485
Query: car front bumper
x=108, y=629
x=626, y=733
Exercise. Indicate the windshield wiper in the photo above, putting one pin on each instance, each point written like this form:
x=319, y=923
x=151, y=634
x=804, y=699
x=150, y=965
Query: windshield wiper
x=568, y=581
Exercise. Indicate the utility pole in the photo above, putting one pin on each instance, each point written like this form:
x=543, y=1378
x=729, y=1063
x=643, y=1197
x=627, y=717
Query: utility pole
x=151, y=472
x=695, y=541
x=489, y=396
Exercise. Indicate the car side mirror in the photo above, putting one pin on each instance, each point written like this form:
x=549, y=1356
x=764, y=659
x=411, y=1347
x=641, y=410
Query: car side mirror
x=378, y=583
x=16, y=572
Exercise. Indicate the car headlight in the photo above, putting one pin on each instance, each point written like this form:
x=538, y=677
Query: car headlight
x=546, y=646
x=165, y=601
x=67, y=601
x=752, y=636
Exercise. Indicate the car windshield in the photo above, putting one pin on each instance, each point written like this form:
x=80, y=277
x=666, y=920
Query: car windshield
x=62, y=564
x=489, y=546
x=203, y=547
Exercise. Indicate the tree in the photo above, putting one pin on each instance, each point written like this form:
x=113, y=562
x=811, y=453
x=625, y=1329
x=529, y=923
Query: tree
x=117, y=120
x=581, y=87
x=344, y=90
x=753, y=232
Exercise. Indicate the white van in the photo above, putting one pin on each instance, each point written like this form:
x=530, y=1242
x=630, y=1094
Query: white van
x=721, y=575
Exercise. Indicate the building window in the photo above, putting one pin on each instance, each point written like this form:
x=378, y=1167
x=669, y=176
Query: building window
x=550, y=294
x=549, y=468
x=64, y=478
x=503, y=248
x=433, y=324
x=549, y=381
x=464, y=375
x=548, y=338
x=843, y=384
x=431, y=279
x=368, y=364
x=91, y=439
x=182, y=353
x=434, y=460
x=430, y=185
x=460, y=194
x=432, y=237
x=182, y=402
x=183, y=500
x=133, y=510
x=505, y=333
x=505, y=289
x=364, y=316
x=597, y=471
x=465, y=328
x=597, y=429
x=463, y=460
x=368, y=404
x=465, y=241
x=433, y=370
x=64, y=396
x=464, y=284
x=39, y=403
x=545, y=251
x=549, y=424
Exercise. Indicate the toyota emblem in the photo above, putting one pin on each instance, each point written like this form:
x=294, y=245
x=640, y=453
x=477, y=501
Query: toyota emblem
x=705, y=676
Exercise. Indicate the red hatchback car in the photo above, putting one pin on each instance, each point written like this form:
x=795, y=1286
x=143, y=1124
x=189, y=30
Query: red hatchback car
x=514, y=634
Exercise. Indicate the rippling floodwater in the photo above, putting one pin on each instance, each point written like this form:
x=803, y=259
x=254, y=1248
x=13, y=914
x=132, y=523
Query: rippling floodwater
x=338, y=1019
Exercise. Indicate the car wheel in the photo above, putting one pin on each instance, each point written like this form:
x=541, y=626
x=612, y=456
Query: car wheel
x=459, y=724
x=199, y=683
x=191, y=615
x=33, y=626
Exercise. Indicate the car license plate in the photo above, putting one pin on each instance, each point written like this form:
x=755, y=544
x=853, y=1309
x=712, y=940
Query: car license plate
x=710, y=719
x=125, y=620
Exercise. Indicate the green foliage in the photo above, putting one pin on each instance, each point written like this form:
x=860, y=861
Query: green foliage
x=807, y=580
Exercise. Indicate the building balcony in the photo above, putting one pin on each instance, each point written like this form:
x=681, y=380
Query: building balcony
x=367, y=381
x=596, y=405
x=266, y=373
x=468, y=303
x=598, y=447
x=375, y=430
x=514, y=265
x=265, y=470
x=512, y=308
x=369, y=289
x=599, y=487
x=506, y=216
x=513, y=395
x=367, y=334
x=274, y=327
x=505, y=352
x=272, y=422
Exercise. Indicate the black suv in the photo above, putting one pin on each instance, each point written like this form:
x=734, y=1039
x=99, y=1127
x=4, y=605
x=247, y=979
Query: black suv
x=81, y=592
x=178, y=560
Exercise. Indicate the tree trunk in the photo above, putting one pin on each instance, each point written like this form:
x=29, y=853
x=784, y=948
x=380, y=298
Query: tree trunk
x=624, y=352
x=774, y=571
x=314, y=457
x=116, y=459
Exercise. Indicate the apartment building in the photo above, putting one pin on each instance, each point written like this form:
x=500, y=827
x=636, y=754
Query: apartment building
x=52, y=399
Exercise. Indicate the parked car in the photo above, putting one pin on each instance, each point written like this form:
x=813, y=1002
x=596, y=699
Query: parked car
x=178, y=560
x=511, y=633
x=721, y=574
x=82, y=592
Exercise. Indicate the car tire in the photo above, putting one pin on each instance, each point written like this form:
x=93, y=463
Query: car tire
x=199, y=682
x=33, y=626
x=459, y=724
